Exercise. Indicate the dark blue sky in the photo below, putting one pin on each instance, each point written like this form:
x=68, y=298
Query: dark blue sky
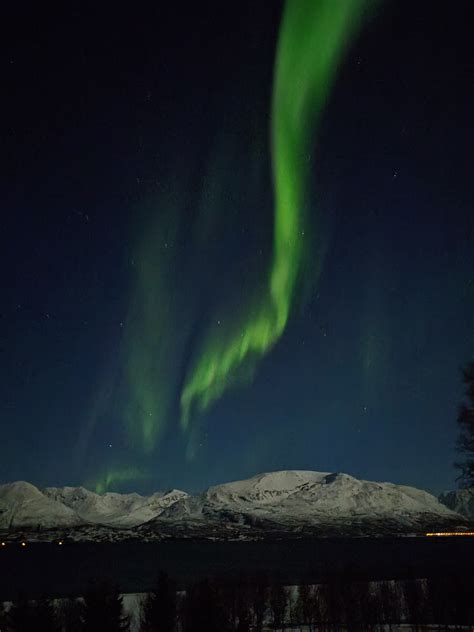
x=107, y=115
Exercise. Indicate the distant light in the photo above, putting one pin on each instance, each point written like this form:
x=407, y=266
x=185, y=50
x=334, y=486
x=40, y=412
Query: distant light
x=4, y=544
x=23, y=544
x=60, y=542
x=449, y=533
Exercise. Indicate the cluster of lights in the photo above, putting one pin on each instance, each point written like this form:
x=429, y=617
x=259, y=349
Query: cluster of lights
x=450, y=533
x=24, y=543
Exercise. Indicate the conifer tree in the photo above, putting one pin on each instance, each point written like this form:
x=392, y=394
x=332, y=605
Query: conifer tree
x=278, y=605
x=20, y=616
x=204, y=610
x=70, y=615
x=103, y=609
x=159, y=607
x=259, y=601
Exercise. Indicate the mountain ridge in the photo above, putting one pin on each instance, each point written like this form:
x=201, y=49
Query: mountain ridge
x=286, y=501
x=311, y=494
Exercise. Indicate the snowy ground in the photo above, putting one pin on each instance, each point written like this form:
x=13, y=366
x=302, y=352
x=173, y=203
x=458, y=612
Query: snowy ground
x=132, y=604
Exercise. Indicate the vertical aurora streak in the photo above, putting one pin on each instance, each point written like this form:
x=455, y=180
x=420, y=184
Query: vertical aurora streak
x=149, y=346
x=313, y=37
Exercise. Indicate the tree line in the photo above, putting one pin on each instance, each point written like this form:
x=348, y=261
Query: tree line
x=254, y=605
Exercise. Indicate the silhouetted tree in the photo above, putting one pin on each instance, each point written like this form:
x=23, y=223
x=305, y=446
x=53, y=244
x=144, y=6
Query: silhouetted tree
x=389, y=604
x=334, y=603
x=441, y=600
x=465, y=442
x=415, y=602
x=316, y=615
x=45, y=616
x=70, y=615
x=227, y=593
x=370, y=606
x=244, y=621
x=303, y=610
x=322, y=604
x=358, y=605
x=460, y=597
x=27, y=615
x=259, y=602
x=159, y=610
x=278, y=605
x=21, y=615
x=3, y=617
x=203, y=609
x=103, y=609
x=242, y=606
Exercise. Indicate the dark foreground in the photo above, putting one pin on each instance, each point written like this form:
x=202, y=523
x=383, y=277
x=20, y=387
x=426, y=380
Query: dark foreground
x=53, y=570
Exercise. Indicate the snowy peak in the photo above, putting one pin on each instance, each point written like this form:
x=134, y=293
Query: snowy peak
x=93, y=507
x=266, y=487
x=308, y=497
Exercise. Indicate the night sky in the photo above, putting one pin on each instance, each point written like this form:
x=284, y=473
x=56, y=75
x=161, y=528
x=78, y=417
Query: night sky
x=235, y=239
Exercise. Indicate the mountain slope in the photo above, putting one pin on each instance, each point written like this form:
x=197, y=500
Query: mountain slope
x=23, y=504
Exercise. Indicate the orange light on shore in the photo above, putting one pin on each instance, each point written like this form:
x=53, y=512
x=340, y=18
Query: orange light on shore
x=449, y=533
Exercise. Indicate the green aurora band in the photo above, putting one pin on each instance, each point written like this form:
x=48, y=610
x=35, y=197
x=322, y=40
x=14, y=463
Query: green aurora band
x=313, y=37
x=150, y=348
x=113, y=478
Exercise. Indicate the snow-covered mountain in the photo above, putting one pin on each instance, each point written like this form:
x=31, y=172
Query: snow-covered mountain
x=461, y=501
x=23, y=505
x=300, y=498
x=275, y=503
x=118, y=510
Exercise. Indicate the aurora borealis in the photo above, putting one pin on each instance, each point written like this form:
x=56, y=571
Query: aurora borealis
x=312, y=37
x=236, y=240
